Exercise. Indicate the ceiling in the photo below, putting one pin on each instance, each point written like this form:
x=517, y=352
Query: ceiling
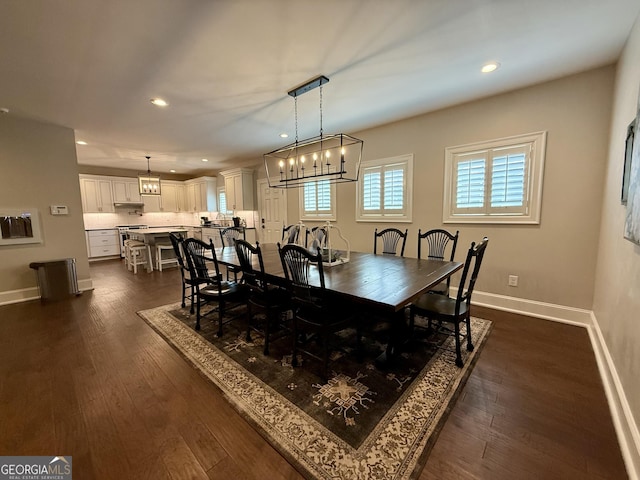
x=225, y=67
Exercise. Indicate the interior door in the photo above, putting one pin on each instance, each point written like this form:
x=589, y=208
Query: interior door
x=272, y=207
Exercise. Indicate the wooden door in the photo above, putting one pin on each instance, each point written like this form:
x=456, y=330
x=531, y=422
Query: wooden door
x=272, y=207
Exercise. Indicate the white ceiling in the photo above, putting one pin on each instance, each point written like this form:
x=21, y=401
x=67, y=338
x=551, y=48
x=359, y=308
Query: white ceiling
x=225, y=66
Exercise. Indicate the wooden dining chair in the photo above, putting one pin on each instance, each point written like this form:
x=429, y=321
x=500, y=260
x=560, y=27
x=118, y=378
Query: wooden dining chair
x=316, y=314
x=209, y=286
x=443, y=308
x=316, y=238
x=261, y=297
x=391, y=238
x=291, y=233
x=438, y=241
x=229, y=236
x=187, y=281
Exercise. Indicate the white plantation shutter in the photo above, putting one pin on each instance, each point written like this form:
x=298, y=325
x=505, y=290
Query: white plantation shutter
x=501, y=182
x=371, y=189
x=470, y=182
x=509, y=179
x=384, y=191
x=394, y=191
x=222, y=202
x=318, y=200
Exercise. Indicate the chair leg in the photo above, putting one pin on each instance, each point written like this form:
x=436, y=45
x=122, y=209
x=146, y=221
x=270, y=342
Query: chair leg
x=184, y=292
x=220, y=314
x=325, y=358
x=249, y=318
x=457, y=335
x=197, y=314
x=469, y=340
x=267, y=330
x=294, y=358
x=193, y=289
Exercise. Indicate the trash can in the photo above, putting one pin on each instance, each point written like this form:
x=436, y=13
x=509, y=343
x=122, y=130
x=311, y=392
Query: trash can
x=57, y=279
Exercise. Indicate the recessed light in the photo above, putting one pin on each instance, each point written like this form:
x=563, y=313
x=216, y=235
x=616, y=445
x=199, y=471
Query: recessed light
x=81, y=142
x=172, y=171
x=489, y=67
x=159, y=102
x=284, y=135
x=205, y=160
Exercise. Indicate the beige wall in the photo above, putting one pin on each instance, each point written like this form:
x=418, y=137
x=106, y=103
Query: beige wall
x=38, y=168
x=617, y=282
x=555, y=261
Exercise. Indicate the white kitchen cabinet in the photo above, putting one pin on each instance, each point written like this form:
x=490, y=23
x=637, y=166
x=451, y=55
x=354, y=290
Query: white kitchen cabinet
x=200, y=194
x=96, y=193
x=238, y=189
x=151, y=203
x=172, y=197
x=213, y=234
x=103, y=243
x=126, y=190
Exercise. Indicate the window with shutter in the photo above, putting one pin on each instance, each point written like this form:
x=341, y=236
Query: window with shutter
x=317, y=200
x=222, y=201
x=499, y=181
x=384, y=190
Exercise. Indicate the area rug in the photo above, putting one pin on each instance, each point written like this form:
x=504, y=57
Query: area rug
x=365, y=422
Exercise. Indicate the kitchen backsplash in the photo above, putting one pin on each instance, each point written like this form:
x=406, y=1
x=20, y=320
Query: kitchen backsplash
x=160, y=219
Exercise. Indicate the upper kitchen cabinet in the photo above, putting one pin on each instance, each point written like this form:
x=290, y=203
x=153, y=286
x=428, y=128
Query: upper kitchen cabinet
x=126, y=191
x=200, y=194
x=97, y=196
x=238, y=188
x=172, y=197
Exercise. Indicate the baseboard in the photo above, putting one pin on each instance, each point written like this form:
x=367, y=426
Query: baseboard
x=32, y=293
x=532, y=308
x=623, y=420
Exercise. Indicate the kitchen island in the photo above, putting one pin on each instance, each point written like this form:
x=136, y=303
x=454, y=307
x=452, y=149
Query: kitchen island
x=156, y=236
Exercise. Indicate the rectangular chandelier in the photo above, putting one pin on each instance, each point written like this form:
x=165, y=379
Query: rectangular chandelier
x=332, y=157
x=148, y=184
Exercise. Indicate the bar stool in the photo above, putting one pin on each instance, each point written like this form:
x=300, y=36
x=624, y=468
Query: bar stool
x=138, y=254
x=164, y=261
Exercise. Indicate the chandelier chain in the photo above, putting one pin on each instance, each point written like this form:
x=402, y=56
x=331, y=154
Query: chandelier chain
x=320, y=111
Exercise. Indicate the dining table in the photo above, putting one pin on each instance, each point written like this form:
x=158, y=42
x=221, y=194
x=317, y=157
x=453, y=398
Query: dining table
x=381, y=283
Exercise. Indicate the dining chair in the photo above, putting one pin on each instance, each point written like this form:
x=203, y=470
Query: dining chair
x=316, y=314
x=438, y=242
x=291, y=233
x=229, y=236
x=209, y=286
x=261, y=297
x=390, y=237
x=318, y=236
x=443, y=308
x=187, y=281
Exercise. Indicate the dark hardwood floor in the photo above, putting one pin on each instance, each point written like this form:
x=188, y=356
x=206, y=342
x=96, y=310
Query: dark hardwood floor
x=87, y=377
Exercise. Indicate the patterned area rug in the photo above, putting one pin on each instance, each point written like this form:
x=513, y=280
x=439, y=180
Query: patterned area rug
x=364, y=423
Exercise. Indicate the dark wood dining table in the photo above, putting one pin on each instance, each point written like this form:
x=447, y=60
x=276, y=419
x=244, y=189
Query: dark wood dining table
x=384, y=284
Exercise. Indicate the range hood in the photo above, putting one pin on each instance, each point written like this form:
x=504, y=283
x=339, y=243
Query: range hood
x=128, y=204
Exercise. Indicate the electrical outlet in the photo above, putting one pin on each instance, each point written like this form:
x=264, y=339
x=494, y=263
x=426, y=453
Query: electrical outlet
x=513, y=280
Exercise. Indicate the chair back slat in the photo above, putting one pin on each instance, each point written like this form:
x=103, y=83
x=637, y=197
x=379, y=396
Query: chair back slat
x=296, y=263
x=291, y=233
x=391, y=238
x=437, y=242
x=230, y=235
x=246, y=252
x=199, y=256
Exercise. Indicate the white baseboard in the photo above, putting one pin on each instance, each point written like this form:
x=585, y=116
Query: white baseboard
x=32, y=293
x=623, y=420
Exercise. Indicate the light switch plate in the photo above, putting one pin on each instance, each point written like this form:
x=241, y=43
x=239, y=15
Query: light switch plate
x=59, y=210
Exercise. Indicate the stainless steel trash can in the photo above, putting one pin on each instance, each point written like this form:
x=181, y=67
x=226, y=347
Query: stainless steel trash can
x=57, y=279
